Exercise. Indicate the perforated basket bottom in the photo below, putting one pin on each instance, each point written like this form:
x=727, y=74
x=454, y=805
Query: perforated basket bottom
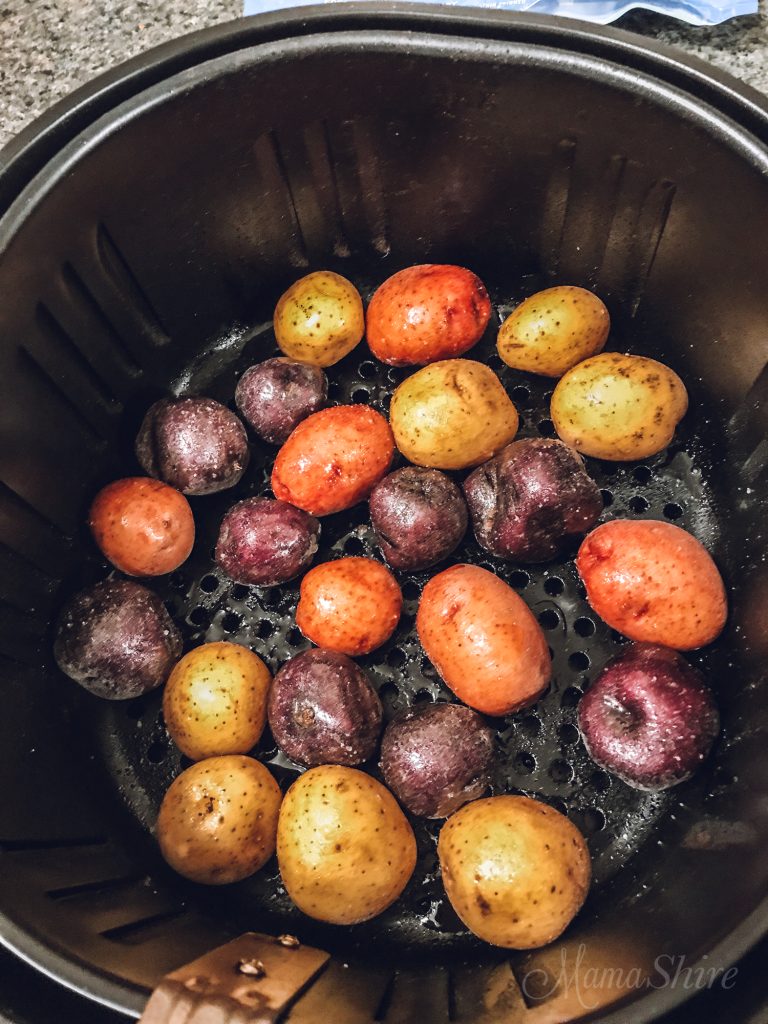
x=538, y=750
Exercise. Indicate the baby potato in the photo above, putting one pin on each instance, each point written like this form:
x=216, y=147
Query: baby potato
x=215, y=700
x=319, y=319
x=345, y=849
x=618, y=407
x=554, y=330
x=428, y=312
x=351, y=605
x=483, y=640
x=452, y=414
x=515, y=870
x=218, y=820
x=653, y=581
x=143, y=526
x=333, y=459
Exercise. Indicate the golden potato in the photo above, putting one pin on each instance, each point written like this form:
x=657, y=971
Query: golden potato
x=215, y=700
x=319, y=319
x=345, y=849
x=218, y=820
x=515, y=870
x=554, y=330
x=452, y=414
x=618, y=407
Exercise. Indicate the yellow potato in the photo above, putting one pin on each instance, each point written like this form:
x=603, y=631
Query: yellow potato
x=452, y=414
x=215, y=700
x=554, y=330
x=618, y=407
x=218, y=820
x=515, y=870
x=345, y=849
x=319, y=319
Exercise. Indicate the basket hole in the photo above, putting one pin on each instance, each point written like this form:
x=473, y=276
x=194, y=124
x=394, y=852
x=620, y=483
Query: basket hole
x=231, y=622
x=570, y=697
x=560, y=771
x=423, y=697
x=157, y=752
x=388, y=693
x=549, y=619
x=396, y=657
x=588, y=820
x=385, y=402
x=519, y=579
x=568, y=734
x=672, y=510
x=199, y=617
x=354, y=546
x=209, y=584
x=554, y=586
x=294, y=637
x=271, y=598
x=524, y=763
x=638, y=504
x=607, y=498
x=367, y=370
x=642, y=475
x=520, y=395
x=360, y=395
x=531, y=725
x=600, y=781
x=559, y=804
x=546, y=428
x=264, y=629
x=239, y=592
x=579, y=661
x=584, y=626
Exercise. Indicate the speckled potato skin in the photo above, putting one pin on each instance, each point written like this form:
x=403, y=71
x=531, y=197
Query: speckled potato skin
x=351, y=605
x=452, y=414
x=653, y=582
x=276, y=395
x=333, y=459
x=215, y=701
x=515, y=870
x=483, y=640
x=553, y=330
x=218, y=820
x=263, y=542
x=618, y=407
x=428, y=312
x=323, y=710
x=116, y=639
x=143, y=526
x=195, y=444
x=319, y=319
x=345, y=849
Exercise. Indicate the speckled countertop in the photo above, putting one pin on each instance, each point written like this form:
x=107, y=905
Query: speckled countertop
x=49, y=47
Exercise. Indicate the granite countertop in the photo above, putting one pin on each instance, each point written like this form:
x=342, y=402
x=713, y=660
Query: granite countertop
x=49, y=47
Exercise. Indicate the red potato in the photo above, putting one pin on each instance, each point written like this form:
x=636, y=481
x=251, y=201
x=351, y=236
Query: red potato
x=351, y=606
x=333, y=459
x=653, y=582
x=424, y=313
x=143, y=526
x=483, y=640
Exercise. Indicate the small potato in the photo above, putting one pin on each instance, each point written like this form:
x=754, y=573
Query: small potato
x=143, y=526
x=215, y=701
x=351, y=605
x=218, y=820
x=483, y=640
x=263, y=542
x=428, y=312
x=554, y=330
x=515, y=870
x=451, y=415
x=333, y=459
x=653, y=581
x=618, y=407
x=345, y=849
x=319, y=319
x=276, y=395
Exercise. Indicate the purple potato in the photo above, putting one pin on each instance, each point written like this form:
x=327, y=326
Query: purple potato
x=649, y=718
x=437, y=757
x=196, y=445
x=419, y=517
x=264, y=542
x=531, y=499
x=323, y=710
x=117, y=640
x=276, y=395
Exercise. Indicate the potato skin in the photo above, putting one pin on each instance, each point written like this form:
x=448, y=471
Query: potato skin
x=215, y=700
x=553, y=330
x=345, y=849
x=653, y=582
x=483, y=640
x=452, y=414
x=515, y=870
x=428, y=312
x=218, y=820
x=333, y=459
x=319, y=319
x=143, y=526
x=351, y=605
x=618, y=407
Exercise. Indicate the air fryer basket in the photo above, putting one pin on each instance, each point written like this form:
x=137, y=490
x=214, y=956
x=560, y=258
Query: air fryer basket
x=156, y=220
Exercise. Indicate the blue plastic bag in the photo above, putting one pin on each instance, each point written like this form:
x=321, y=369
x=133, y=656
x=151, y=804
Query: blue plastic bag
x=695, y=12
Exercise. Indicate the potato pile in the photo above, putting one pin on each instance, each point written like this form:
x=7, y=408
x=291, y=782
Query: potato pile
x=515, y=870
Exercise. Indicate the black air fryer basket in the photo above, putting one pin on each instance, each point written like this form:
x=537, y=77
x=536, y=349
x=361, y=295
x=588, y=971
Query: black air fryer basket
x=150, y=224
